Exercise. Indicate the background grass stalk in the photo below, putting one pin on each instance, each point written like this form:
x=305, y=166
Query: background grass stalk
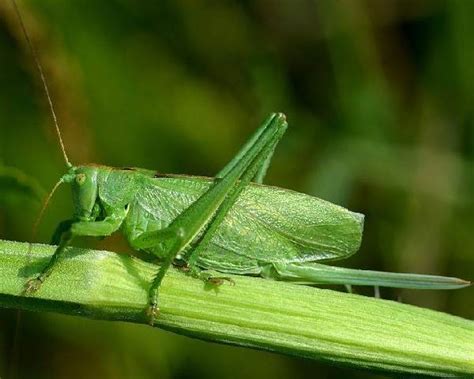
x=296, y=320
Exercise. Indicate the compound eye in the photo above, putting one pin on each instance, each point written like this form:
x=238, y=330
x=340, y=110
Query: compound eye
x=80, y=179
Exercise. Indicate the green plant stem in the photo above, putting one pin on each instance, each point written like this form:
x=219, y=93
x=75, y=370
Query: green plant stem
x=296, y=320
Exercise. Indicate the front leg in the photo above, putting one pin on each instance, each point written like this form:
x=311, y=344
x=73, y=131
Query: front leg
x=64, y=234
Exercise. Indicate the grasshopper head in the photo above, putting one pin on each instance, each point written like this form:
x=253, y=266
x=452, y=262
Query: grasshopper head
x=83, y=180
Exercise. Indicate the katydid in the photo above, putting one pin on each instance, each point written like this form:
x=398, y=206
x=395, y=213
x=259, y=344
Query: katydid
x=212, y=227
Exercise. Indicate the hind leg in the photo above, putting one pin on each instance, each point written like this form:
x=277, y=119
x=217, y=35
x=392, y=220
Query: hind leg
x=205, y=215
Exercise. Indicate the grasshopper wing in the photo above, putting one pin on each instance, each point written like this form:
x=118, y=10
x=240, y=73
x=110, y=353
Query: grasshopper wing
x=266, y=225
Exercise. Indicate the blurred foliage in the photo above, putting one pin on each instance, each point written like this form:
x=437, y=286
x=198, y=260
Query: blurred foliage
x=17, y=189
x=378, y=96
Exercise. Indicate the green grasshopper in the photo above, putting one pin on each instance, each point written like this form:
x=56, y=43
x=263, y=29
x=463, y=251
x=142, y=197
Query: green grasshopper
x=211, y=227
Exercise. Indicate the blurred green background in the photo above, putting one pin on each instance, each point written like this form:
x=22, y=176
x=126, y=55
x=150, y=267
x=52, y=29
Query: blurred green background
x=379, y=100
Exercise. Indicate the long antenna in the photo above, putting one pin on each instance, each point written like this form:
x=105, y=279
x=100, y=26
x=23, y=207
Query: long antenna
x=43, y=208
x=43, y=80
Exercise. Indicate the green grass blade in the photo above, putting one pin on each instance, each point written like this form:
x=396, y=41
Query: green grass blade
x=297, y=320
